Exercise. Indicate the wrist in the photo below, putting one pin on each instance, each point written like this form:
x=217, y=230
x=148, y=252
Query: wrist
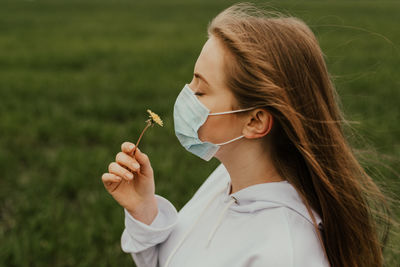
x=146, y=212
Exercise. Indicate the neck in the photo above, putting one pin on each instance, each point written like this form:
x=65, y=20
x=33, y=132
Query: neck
x=247, y=164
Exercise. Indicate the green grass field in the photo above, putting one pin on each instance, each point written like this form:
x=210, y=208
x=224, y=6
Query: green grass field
x=76, y=78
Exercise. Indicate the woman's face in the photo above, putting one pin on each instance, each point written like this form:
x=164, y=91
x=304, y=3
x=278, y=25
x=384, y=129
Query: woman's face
x=209, y=86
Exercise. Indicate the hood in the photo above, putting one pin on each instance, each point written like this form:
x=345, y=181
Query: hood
x=251, y=199
x=259, y=197
x=268, y=195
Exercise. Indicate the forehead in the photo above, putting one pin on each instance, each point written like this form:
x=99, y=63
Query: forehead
x=210, y=62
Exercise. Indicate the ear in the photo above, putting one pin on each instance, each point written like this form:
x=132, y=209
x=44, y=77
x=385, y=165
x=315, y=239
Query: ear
x=258, y=124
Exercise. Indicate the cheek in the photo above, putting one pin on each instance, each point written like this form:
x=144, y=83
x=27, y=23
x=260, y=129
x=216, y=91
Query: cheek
x=209, y=129
x=216, y=129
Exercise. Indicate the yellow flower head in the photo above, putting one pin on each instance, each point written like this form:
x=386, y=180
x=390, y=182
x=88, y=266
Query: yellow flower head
x=155, y=118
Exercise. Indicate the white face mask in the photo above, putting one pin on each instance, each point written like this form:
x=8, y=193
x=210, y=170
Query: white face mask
x=189, y=115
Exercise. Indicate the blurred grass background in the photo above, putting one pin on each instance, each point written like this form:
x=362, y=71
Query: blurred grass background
x=76, y=78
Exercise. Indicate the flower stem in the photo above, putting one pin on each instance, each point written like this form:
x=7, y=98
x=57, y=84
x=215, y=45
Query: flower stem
x=140, y=137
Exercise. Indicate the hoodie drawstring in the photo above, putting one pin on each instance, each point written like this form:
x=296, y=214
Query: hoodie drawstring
x=197, y=220
x=233, y=200
x=191, y=229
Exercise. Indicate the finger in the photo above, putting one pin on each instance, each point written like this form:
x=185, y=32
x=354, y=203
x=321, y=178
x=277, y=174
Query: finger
x=116, y=169
x=127, y=147
x=127, y=161
x=110, y=178
x=144, y=162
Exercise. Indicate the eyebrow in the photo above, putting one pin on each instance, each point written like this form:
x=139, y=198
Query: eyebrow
x=198, y=75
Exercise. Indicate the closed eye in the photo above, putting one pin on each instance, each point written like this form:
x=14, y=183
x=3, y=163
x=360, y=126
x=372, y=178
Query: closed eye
x=199, y=94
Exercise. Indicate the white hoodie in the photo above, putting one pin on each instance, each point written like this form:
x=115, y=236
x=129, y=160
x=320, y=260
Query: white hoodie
x=261, y=225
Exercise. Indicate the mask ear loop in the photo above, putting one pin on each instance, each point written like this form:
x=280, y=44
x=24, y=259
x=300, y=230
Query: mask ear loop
x=230, y=141
x=232, y=111
x=271, y=122
x=229, y=112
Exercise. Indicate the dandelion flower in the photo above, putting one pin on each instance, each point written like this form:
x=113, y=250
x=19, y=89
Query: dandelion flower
x=153, y=119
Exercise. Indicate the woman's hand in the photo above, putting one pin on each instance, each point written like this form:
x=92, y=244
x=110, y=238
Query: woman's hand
x=130, y=181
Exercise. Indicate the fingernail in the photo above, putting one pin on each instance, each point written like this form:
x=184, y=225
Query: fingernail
x=129, y=175
x=131, y=147
x=136, y=166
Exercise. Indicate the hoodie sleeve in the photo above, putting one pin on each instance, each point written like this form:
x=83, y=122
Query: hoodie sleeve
x=141, y=240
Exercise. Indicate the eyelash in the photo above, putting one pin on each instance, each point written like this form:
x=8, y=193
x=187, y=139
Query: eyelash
x=199, y=94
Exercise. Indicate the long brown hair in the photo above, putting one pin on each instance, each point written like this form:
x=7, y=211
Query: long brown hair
x=276, y=62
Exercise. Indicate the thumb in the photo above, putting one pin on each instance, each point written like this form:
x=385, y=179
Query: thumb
x=144, y=162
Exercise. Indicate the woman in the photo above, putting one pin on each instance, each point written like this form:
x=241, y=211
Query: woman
x=288, y=191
